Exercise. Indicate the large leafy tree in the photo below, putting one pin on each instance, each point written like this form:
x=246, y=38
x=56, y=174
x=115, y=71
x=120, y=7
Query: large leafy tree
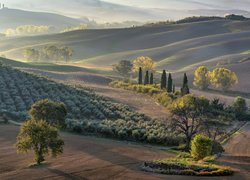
x=52, y=112
x=146, y=63
x=123, y=68
x=223, y=78
x=188, y=115
x=201, y=78
x=42, y=138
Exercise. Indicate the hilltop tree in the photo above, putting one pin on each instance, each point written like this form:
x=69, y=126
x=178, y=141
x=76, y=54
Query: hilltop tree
x=52, y=112
x=201, y=78
x=151, y=78
x=140, y=76
x=170, y=83
x=185, y=88
x=41, y=137
x=146, y=80
x=188, y=115
x=164, y=80
x=66, y=53
x=146, y=63
x=223, y=78
x=123, y=68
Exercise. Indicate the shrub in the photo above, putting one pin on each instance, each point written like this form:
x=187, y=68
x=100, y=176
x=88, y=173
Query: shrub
x=201, y=147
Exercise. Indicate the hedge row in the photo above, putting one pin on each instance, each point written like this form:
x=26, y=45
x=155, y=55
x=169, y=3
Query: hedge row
x=158, y=94
x=191, y=168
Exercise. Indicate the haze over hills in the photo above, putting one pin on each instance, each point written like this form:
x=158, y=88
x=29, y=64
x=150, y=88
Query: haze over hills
x=176, y=47
x=117, y=11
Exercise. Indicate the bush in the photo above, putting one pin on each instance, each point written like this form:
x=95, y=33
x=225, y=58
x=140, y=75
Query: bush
x=201, y=147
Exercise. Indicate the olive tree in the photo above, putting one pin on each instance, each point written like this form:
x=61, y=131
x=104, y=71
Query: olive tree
x=52, y=112
x=188, y=115
x=41, y=137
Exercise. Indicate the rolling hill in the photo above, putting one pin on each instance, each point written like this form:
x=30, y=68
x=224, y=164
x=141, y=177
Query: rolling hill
x=175, y=47
x=11, y=18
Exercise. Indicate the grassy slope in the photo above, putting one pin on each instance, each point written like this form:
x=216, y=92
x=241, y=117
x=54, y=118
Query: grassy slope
x=163, y=43
x=177, y=47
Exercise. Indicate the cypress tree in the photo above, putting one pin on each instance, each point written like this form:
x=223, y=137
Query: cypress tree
x=164, y=80
x=170, y=83
x=151, y=78
x=185, y=88
x=173, y=88
x=146, y=80
x=140, y=76
x=185, y=80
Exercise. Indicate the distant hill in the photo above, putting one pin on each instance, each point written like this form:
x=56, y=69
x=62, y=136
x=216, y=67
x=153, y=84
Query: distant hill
x=11, y=18
x=175, y=47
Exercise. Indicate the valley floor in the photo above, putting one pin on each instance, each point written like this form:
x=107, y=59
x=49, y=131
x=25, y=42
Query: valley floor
x=94, y=158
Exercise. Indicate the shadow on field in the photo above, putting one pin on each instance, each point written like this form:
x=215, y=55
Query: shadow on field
x=60, y=173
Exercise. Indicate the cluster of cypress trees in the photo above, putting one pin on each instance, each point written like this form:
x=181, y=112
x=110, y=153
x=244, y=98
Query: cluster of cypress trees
x=147, y=79
x=166, y=82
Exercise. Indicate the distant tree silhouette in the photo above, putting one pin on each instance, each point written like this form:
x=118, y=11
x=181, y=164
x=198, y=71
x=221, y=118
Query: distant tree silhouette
x=151, y=78
x=140, y=76
x=146, y=80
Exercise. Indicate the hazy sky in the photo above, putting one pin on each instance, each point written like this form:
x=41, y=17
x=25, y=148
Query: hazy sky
x=187, y=4
x=142, y=10
x=165, y=4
